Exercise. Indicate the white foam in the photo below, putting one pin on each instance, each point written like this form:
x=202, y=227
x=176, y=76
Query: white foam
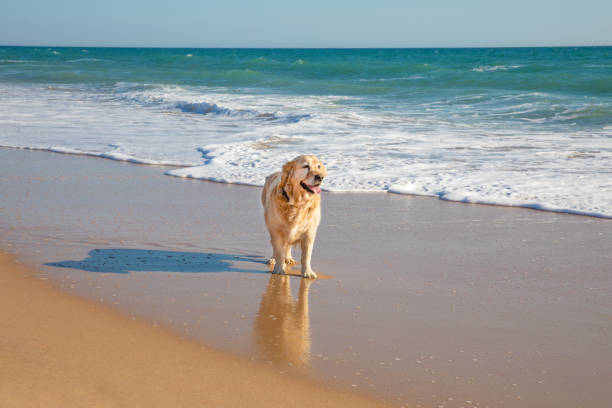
x=215, y=134
x=493, y=68
x=110, y=155
x=89, y=60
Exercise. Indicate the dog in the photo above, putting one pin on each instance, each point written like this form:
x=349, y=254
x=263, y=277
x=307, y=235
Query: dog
x=291, y=200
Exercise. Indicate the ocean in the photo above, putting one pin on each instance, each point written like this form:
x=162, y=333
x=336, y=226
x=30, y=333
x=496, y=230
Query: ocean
x=529, y=127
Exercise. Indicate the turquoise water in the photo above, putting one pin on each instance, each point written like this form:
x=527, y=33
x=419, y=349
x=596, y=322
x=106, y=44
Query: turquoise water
x=576, y=81
x=460, y=124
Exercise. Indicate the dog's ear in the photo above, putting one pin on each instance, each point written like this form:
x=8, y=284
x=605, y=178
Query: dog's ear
x=287, y=173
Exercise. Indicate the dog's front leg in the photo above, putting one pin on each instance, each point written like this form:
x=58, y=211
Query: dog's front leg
x=279, y=248
x=306, y=244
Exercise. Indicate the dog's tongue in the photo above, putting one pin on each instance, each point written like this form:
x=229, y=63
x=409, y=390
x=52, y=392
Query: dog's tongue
x=316, y=189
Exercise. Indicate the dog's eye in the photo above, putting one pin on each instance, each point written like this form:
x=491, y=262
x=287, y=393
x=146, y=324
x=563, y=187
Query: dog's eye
x=306, y=166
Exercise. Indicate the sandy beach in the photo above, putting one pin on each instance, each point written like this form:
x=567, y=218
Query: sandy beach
x=62, y=351
x=425, y=303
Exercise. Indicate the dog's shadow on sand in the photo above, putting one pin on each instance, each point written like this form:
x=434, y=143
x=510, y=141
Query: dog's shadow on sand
x=121, y=260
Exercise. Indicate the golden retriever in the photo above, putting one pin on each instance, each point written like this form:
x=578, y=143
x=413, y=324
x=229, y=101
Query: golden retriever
x=291, y=200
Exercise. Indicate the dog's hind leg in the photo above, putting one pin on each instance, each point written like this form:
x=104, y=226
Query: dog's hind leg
x=289, y=261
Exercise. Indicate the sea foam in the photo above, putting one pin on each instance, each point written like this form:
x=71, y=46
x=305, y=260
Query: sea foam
x=433, y=148
x=489, y=68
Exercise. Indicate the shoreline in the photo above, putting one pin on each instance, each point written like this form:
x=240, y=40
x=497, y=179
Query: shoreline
x=144, y=162
x=427, y=300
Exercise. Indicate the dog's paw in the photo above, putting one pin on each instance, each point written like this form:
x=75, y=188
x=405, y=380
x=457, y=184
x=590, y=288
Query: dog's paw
x=309, y=275
x=278, y=270
x=290, y=261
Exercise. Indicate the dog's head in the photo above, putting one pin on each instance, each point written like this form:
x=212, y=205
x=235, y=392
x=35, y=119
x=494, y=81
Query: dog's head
x=303, y=176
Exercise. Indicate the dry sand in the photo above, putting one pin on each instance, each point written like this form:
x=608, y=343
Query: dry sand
x=429, y=303
x=61, y=351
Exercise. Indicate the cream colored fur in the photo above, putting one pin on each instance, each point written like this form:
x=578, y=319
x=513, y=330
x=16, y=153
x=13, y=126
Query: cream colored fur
x=291, y=200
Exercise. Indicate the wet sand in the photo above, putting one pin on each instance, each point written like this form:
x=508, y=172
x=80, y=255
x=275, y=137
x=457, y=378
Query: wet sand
x=61, y=351
x=428, y=303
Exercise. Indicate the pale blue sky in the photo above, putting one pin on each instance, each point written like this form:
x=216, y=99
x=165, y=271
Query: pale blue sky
x=315, y=23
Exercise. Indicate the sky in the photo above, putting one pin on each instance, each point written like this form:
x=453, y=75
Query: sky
x=306, y=24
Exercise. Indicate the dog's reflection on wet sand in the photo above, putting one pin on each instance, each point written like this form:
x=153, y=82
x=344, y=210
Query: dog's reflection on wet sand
x=282, y=326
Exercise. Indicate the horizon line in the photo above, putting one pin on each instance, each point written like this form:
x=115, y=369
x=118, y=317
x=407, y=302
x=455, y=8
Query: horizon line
x=306, y=48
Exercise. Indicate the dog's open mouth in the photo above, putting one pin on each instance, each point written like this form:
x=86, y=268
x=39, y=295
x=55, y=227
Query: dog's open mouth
x=311, y=189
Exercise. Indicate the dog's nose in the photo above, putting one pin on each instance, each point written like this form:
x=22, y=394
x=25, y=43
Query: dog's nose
x=318, y=177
